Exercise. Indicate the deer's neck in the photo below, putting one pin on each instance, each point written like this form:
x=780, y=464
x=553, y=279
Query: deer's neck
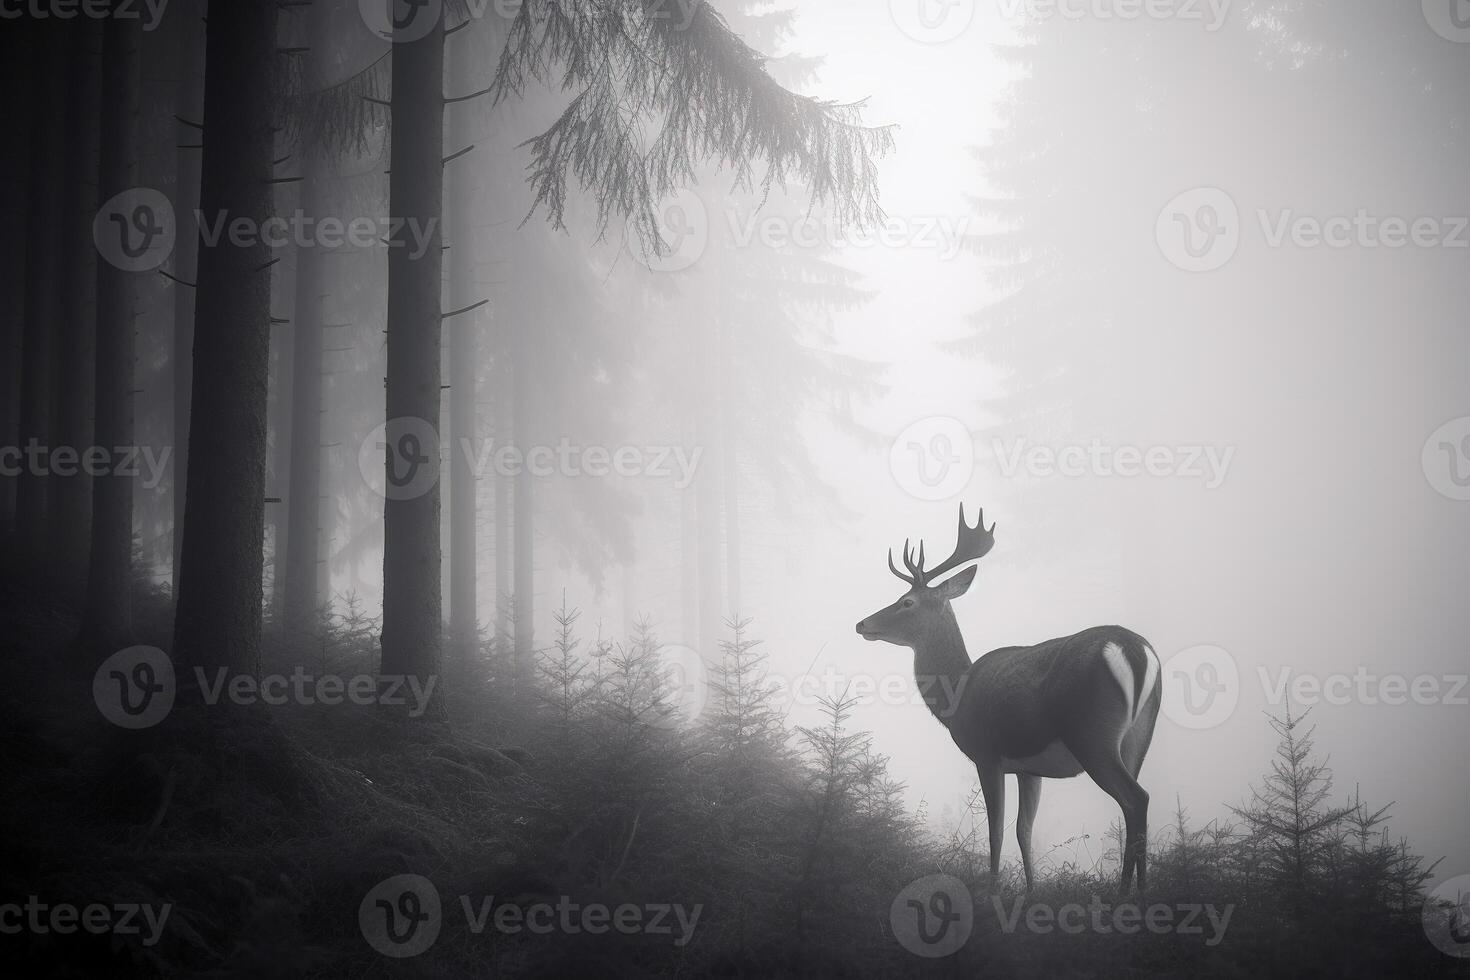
x=941, y=664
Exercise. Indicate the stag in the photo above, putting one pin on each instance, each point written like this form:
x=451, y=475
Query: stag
x=1080, y=703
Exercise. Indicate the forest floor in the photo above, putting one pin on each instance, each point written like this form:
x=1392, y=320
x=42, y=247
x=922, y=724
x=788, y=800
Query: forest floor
x=252, y=845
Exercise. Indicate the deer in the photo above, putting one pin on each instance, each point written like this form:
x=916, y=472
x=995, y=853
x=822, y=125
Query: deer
x=1080, y=703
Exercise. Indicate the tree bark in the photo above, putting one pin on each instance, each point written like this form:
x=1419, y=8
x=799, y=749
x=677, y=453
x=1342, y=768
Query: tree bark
x=463, y=370
x=219, y=605
x=76, y=362
x=19, y=67
x=303, y=504
x=109, y=619
x=37, y=424
x=412, y=599
x=189, y=103
x=302, y=551
x=504, y=587
x=525, y=520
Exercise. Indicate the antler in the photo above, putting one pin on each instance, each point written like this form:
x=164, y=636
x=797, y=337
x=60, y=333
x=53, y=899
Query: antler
x=971, y=543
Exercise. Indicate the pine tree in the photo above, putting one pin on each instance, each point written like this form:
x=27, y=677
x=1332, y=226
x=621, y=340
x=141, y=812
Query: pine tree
x=1289, y=812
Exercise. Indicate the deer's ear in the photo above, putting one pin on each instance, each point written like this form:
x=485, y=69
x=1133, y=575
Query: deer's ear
x=957, y=585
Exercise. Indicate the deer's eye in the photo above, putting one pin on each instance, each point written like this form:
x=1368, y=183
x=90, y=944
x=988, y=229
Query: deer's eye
x=908, y=603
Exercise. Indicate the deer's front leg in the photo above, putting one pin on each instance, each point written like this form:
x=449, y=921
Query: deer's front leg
x=993, y=789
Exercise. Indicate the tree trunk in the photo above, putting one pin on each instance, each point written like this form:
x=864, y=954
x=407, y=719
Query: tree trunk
x=463, y=367
x=504, y=588
x=218, y=618
x=730, y=471
x=189, y=103
x=303, y=503
x=19, y=67
x=525, y=518
x=688, y=555
x=707, y=504
x=303, y=496
x=109, y=618
x=412, y=601
x=43, y=293
x=76, y=362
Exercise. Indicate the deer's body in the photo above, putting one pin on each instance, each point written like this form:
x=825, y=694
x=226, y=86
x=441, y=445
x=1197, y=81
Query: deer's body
x=1080, y=703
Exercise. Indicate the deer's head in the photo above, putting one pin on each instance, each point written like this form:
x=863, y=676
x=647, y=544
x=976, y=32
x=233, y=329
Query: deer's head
x=921, y=609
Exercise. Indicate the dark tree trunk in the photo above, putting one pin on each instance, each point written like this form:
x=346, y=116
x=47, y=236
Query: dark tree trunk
x=303, y=495
x=37, y=425
x=302, y=596
x=76, y=362
x=412, y=600
x=190, y=106
x=218, y=619
x=109, y=619
x=18, y=68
